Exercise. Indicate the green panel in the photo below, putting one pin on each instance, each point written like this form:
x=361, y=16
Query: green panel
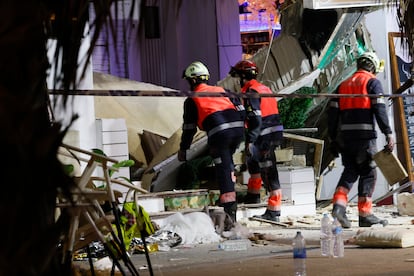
x=341, y=37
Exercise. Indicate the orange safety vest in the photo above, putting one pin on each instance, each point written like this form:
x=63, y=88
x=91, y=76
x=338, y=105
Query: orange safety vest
x=210, y=105
x=356, y=115
x=268, y=106
x=357, y=84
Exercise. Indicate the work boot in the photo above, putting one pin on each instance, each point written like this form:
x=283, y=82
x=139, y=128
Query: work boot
x=250, y=198
x=371, y=220
x=339, y=212
x=270, y=215
x=230, y=208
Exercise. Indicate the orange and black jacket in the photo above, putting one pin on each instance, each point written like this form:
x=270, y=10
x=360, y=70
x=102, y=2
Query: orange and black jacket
x=354, y=117
x=211, y=114
x=262, y=112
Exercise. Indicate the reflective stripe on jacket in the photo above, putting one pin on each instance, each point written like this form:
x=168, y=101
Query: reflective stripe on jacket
x=356, y=114
x=209, y=105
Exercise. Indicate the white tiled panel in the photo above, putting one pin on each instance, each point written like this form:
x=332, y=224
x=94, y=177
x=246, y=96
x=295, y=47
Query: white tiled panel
x=114, y=150
x=112, y=139
x=291, y=190
x=109, y=137
x=288, y=209
x=298, y=187
x=295, y=174
x=303, y=187
x=121, y=157
x=111, y=124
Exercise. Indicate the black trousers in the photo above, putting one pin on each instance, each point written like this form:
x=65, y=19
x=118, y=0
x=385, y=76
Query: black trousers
x=263, y=160
x=358, y=163
x=222, y=146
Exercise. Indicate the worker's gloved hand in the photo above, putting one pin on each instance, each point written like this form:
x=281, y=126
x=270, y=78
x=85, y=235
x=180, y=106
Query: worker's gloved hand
x=390, y=143
x=182, y=155
x=334, y=148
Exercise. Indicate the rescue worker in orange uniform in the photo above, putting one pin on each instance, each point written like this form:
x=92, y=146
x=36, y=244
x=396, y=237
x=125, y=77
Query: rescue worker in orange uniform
x=224, y=123
x=351, y=126
x=264, y=133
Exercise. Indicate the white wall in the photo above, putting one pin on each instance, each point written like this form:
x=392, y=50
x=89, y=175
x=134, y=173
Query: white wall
x=84, y=126
x=377, y=26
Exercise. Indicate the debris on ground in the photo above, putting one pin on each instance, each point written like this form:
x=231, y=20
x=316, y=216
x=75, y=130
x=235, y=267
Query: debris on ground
x=193, y=228
x=384, y=238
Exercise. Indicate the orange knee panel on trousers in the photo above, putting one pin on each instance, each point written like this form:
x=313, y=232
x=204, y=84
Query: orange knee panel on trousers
x=341, y=196
x=228, y=197
x=364, y=206
x=274, y=202
x=254, y=185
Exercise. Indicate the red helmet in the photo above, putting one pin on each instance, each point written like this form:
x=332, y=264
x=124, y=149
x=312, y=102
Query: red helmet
x=245, y=69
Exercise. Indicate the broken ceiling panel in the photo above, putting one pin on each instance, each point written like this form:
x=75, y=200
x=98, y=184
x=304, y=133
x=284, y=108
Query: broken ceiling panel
x=162, y=172
x=291, y=62
x=137, y=111
x=151, y=143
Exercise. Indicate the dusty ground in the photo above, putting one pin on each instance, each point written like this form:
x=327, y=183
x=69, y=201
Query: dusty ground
x=357, y=261
x=274, y=256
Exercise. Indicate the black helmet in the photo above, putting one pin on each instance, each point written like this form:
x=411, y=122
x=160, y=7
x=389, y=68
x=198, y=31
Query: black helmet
x=245, y=69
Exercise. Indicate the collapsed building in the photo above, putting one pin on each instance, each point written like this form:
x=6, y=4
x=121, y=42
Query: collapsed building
x=314, y=52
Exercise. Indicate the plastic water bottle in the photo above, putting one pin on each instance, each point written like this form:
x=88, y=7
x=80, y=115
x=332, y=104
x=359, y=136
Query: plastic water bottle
x=299, y=254
x=338, y=241
x=235, y=245
x=326, y=235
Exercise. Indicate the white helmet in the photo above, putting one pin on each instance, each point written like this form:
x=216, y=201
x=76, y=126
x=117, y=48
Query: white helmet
x=373, y=58
x=196, y=70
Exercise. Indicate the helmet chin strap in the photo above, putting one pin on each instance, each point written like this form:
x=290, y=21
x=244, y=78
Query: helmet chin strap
x=195, y=81
x=192, y=82
x=242, y=82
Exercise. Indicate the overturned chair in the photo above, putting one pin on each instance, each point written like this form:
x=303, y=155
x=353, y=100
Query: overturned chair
x=94, y=211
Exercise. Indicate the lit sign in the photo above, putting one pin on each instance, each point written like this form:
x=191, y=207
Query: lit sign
x=333, y=4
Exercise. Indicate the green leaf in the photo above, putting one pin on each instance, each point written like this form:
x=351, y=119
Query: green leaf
x=98, y=151
x=120, y=164
x=68, y=168
x=124, y=163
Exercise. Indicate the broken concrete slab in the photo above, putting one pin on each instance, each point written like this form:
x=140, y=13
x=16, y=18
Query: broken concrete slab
x=385, y=238
x=405, y=204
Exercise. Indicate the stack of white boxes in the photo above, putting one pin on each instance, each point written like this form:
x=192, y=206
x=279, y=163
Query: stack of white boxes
x=298, y=190
x=112, y=139
x=298, y=193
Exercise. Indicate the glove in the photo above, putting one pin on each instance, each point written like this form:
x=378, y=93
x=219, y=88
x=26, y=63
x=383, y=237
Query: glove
x=390, y=143
x=334, y=148
x=182, y=155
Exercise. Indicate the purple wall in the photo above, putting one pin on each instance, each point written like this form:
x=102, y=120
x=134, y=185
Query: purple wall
x=189, y=30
